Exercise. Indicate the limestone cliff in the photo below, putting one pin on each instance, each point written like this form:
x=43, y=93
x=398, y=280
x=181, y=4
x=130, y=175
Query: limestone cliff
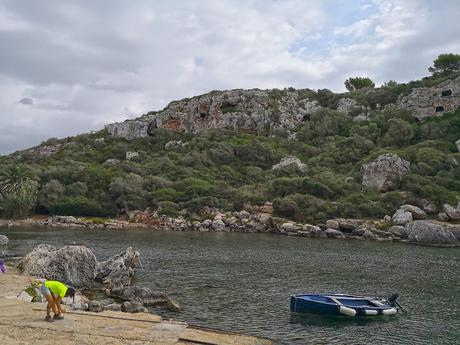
x=257, y=110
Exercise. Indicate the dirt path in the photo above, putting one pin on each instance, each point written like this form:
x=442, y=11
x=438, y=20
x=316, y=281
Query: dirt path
x=21, y=324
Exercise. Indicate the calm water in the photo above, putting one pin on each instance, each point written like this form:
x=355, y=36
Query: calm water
x=242, y=282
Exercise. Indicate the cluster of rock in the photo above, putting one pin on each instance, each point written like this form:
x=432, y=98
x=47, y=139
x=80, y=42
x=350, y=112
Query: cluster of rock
x=410, y=222
x=77, y=266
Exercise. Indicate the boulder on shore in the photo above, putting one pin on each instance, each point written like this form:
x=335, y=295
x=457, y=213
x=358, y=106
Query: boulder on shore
x=402, y=217
x=77, y=266
x=385, y=173
x=73, y=265
x=118, y=271
x=417, y=212
x=430, y=233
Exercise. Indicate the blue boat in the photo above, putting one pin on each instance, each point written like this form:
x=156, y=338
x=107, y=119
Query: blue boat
x=341, y=304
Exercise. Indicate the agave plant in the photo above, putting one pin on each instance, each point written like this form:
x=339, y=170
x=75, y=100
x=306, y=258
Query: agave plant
x=13, y=178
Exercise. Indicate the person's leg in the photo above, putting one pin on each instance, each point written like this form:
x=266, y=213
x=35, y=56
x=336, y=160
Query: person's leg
x=47, y=293
x=57, y=309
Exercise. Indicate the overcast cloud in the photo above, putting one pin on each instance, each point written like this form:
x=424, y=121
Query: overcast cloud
x=68, y=67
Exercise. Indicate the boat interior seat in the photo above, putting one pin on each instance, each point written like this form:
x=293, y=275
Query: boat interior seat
x=335, y=300
x=377, y=303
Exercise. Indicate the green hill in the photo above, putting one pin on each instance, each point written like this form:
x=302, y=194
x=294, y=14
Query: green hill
x=100, y=174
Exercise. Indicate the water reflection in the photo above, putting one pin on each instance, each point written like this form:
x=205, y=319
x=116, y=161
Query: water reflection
x=337, y=321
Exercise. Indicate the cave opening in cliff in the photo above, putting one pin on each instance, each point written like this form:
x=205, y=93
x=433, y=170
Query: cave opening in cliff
x=439, y=109
x=306, y=117
x=446, y=93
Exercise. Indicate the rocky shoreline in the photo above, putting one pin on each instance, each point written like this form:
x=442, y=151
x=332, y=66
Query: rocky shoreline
x=408, y=224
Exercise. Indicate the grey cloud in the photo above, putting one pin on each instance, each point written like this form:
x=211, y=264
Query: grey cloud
x=26, y=101
x=87, y=63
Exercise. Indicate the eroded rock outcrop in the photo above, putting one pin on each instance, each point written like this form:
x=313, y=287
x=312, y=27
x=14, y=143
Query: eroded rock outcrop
x=118, y=271
x=385, y=173
x=432, y=101
x=247, y=110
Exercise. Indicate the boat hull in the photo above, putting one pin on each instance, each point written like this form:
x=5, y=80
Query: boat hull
x=345, y=305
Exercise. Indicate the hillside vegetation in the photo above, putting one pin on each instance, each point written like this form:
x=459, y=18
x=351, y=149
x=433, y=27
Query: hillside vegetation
x=90, y=174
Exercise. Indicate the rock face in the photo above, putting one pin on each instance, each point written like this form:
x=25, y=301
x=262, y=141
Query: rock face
x=433, y=101
x=4, y=240
x=118, y=271
x=429, y=233
x=73, y=265
x=247, y=110
x=385, y=173
x=458, y=145
x=291, y=161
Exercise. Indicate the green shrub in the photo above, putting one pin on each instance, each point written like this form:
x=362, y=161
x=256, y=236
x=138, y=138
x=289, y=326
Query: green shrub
x=79, y=206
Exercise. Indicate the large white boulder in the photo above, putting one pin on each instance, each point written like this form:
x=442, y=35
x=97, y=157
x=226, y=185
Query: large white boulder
x=385, y=173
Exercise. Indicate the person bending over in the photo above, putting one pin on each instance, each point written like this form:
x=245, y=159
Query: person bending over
x=54, y=292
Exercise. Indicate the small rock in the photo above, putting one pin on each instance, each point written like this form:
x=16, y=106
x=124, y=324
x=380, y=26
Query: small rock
x=346, y=226
x=398, y=231
x=333, y=233
x=173, y=306
x=25, y=296
x=218, y=225
x=387, y=219
x=95, y=306
x=369, y=235
x=289, y=227
x=443, y=217
x=428, y=206
x=417, y=213
x=133, y=307
x=113, y=307
x=79, y=306
x=402, y=217
x=458, y=145
x=332, y=224
x=4, y=240
x=206, y=223
x=452, y=212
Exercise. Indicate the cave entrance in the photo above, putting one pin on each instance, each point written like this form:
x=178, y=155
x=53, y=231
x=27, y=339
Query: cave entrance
x=439, y=109
x=446, y=93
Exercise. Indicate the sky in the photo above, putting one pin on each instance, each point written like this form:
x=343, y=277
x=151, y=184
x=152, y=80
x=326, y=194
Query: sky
x=69, y=67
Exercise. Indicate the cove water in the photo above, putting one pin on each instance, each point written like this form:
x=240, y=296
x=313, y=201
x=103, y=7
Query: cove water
x=242, y=282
